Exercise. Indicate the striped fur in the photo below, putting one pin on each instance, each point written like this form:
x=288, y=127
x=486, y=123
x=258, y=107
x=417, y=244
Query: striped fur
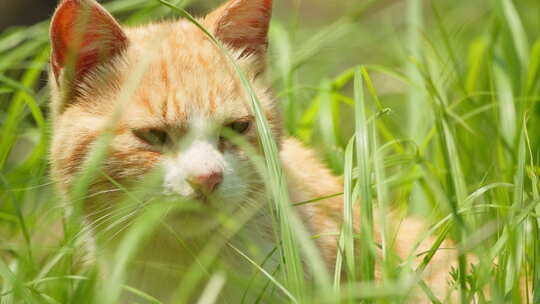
x=168, y=75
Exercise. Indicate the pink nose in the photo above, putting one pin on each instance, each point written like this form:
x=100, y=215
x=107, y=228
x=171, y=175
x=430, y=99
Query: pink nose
x=206, y=183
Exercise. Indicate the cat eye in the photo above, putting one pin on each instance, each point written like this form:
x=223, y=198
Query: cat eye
x=151, y=136
x=240, y=126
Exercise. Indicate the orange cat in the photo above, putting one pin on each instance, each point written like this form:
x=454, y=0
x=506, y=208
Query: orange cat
x=167, y=92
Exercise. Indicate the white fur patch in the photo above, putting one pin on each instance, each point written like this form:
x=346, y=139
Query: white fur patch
x=201, y=157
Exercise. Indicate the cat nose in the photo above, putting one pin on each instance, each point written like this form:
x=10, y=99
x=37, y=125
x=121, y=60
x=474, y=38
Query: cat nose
x=206, y=183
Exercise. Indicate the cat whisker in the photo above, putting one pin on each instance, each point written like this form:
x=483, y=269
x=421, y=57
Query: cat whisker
x=95, y=224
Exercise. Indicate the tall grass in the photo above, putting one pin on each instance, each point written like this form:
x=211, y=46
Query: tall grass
x=439, y=120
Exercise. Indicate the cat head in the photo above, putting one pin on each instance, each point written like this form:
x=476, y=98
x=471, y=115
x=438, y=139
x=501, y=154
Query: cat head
x=165, y=92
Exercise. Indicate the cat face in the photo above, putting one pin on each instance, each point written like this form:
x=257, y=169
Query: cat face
x=166, y=93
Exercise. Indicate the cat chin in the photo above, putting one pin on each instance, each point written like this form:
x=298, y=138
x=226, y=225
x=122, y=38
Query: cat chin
x=194, y=224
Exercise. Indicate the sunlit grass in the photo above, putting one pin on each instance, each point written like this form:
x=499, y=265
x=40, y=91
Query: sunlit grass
x=445, y=128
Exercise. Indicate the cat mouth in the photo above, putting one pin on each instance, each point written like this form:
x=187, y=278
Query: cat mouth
x=207, y=199
x=201, y=197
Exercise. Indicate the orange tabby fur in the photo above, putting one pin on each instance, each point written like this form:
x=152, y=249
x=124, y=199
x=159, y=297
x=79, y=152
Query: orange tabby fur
x=161, y=76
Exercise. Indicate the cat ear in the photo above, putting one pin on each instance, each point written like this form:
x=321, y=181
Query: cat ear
x=83, y=35
x=243, y=24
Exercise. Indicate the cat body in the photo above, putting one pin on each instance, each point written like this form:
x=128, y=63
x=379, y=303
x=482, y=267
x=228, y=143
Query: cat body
x=164, y=92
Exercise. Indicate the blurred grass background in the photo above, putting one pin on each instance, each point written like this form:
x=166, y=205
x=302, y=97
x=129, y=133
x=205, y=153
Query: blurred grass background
x=450, y=111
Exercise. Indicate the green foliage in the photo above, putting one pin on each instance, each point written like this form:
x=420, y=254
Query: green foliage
x=434, y=115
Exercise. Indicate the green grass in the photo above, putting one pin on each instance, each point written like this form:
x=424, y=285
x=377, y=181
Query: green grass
x=427, y=108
